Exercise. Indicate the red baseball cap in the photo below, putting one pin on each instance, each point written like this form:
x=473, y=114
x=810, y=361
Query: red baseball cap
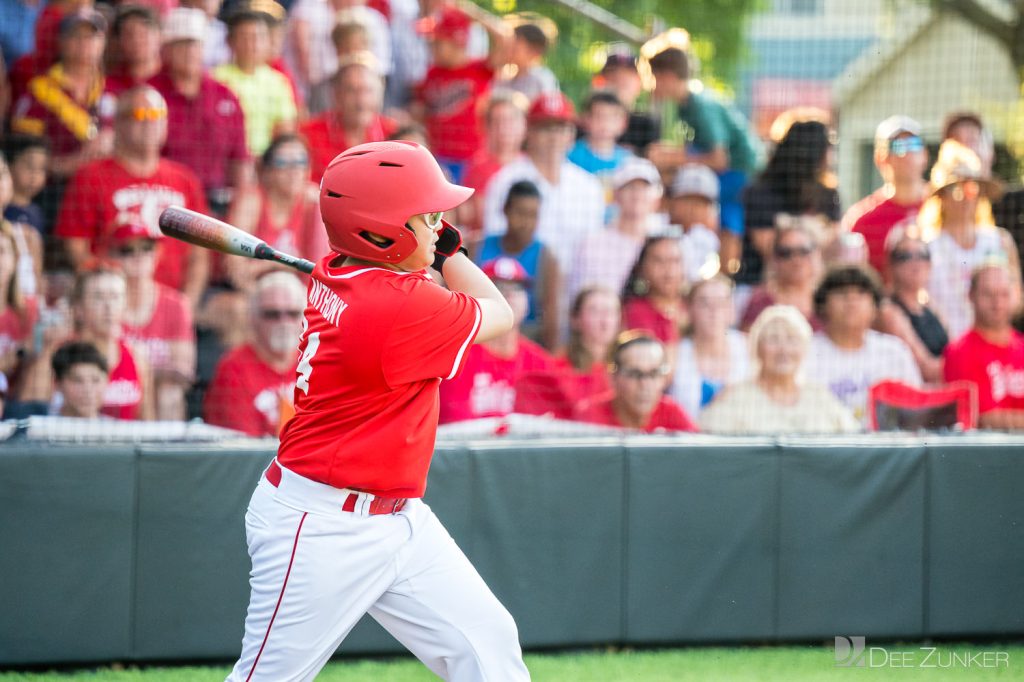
x=551, y=106
x=450, y=24
x=505, y=269
x=131, y=229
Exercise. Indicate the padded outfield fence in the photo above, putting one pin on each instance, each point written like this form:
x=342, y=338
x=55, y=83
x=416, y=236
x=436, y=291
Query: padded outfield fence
x=138, y=553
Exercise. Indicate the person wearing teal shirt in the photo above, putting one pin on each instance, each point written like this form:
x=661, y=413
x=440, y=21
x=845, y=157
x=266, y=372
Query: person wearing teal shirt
x=719, y=137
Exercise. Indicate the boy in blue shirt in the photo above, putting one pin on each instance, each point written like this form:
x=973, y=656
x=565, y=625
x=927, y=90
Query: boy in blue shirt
x=603, y=121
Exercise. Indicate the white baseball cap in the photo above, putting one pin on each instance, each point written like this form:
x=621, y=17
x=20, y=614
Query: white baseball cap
x=893, y=126
x=184, y=23
x=695, y=179
x=635, y=168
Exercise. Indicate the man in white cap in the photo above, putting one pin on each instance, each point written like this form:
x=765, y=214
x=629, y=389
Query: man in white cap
x=205, y=124
x=693, y=206
x=606, y=256
x=901, y=157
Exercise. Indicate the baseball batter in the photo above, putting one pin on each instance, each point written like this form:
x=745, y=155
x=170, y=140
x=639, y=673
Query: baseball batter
x=336, y=527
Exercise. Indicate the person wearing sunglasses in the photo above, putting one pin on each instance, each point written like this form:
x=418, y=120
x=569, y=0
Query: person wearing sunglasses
x=157, y=319
x=135, y=183
x=901, y=158
x=639, y=371
x=906, y=312
x=957, y=223
x=252, y=385
x=793, y=270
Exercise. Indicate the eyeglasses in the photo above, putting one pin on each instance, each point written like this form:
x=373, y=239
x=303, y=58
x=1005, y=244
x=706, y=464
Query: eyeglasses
x=902, y=146
x=433, y=220
x=146, y=113
x=787, y=252
x=635, y=374
x=130, y=250
x=274, y=315
x=297, y=162
x=907, y=256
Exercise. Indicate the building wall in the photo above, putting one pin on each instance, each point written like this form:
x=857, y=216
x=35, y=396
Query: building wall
x=949, y=66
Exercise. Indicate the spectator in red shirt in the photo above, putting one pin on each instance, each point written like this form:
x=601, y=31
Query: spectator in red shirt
x=448, y=98
x=252, y=387
x=17, y=314
x=135, y=184
x=504, y=134
x=653, y=298
x=98, y=306
x=81, y=376
x=901, y=157
x=157, y=320
x=66, y=103
x=640, y=372
x=354, y=117
x=594, y=321
x=992, y=353
x=196, y=105
x=488, y=383
x=135, y=47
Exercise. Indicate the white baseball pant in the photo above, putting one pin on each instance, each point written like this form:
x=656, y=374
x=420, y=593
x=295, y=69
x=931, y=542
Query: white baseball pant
x=317, y=569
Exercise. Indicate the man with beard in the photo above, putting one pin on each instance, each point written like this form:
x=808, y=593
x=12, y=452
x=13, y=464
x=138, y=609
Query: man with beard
x=252, y=386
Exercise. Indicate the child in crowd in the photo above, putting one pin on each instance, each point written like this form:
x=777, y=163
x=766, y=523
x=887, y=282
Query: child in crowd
x=522, y=210
x=447, y=99
x=27, y=156
x=693, y=206
x=351, y=43
x=654, y=297
x=81, y=375
x=532, y=77
x=603, y=122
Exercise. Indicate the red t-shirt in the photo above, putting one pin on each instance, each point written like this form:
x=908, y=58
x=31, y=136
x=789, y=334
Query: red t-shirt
x=171, y=321
x=451, y=96
x=667, y=415
x=760, y=299
x=16, y=329
x=103, y=194
x=376, y=346
x=875, y=218
x=639, y=313
x=488, y=382
x=246, y=393
x=123, y=396
x=997, y=370
x=326, y=140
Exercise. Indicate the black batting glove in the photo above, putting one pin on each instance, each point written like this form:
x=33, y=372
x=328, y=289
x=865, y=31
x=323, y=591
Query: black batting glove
x=449, y=242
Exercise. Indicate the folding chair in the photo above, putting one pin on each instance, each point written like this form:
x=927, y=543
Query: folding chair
x=895, y=406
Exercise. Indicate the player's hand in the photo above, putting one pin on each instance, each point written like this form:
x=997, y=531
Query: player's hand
x=449, y=243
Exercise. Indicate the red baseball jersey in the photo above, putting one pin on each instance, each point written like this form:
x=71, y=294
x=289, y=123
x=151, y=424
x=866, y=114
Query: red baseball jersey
x=667, y=415
x=997, y=370
x=488, y=384
x=246, y=393
x=375, y=347
x=103, y=194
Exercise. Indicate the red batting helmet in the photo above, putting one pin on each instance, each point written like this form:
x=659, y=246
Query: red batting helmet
x=375, y=188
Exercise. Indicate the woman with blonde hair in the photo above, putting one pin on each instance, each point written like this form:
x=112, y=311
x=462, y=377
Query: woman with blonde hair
x=956, y=222
x=778, y=399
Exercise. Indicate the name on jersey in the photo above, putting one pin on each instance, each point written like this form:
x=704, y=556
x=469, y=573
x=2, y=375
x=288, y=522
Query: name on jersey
x=328, y=303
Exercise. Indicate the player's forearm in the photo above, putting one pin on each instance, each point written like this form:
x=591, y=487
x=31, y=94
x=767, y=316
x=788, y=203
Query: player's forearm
x=463, y=276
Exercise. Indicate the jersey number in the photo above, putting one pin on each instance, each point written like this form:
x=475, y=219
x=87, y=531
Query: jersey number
x=305, y=367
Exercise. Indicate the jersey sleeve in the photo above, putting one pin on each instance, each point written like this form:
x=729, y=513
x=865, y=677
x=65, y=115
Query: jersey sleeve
x=431, y=335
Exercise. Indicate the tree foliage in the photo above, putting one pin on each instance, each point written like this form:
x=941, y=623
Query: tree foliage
x=716, y=27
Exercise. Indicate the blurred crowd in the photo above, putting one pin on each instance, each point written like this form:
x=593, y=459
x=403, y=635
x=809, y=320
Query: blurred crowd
x=669, y=269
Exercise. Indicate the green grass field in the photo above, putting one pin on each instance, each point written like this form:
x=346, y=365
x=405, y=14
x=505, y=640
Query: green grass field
x=764, y=664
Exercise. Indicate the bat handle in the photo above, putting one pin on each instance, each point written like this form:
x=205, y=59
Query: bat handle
x=266, y=252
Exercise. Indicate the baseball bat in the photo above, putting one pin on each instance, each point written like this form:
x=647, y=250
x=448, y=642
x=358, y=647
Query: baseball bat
x=210, y=233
